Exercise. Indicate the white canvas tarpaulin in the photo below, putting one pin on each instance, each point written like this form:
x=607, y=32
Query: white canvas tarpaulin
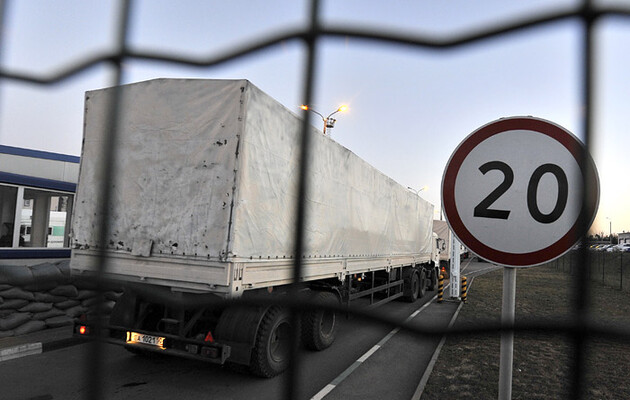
x=208, y=169
x=352, y=208
x=175, y=162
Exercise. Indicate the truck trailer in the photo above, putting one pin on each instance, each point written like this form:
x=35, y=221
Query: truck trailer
x=203, y=201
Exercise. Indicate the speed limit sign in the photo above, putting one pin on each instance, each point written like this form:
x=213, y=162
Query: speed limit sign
x=512, y=191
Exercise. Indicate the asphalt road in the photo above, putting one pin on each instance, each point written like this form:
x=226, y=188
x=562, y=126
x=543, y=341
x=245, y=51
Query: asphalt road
x=366, y=361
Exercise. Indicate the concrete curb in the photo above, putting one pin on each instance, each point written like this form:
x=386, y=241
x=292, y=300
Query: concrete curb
x=36, y=343
x=22, y=350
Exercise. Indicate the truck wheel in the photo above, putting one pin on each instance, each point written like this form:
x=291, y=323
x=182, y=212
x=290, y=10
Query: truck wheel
x=412, y=287
x=433, y=281
x=319, y=327
x=270, y=356
x=423, y=284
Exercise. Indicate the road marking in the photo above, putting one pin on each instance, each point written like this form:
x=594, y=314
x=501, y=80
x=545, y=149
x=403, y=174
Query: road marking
x=323, y=392
x=328, y=388
x=427, y=373
x=368, y=354
x=23, y=350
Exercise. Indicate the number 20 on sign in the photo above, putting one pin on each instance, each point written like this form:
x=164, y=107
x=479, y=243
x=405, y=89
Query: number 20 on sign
x=512, y=191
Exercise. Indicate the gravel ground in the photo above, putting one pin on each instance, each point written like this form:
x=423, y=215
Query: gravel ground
x=468, y=366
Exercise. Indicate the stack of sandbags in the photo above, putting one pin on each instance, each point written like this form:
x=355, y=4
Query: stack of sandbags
x=45, y=296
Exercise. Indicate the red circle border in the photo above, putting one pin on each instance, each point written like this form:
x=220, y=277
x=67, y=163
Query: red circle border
x=451, y=171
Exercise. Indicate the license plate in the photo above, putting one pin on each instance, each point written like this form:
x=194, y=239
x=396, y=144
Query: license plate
x=134, y=338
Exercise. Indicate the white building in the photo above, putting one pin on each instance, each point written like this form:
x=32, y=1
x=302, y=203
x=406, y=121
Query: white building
x=36, y=196
x=624, y=237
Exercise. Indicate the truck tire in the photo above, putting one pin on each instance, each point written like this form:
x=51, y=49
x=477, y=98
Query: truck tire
x=433, y=280
x=319, y=327
x=422, y=283
x=412, y=287
x=270, y=355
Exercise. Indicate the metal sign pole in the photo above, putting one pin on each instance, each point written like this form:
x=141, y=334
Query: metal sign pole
x=507, y=338
x=455, y=266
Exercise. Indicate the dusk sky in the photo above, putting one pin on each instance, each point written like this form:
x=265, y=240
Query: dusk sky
x=409, y=107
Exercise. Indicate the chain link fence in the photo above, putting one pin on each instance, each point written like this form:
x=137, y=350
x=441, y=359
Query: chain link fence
x=583, y=265
x=611, y=269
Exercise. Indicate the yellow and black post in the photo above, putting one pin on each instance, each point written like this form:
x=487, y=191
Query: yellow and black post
x=464, y=289
x=440, y=295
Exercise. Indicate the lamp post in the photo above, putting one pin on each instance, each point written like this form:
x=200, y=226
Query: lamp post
x=417, y=191
x=610, y=229
x=329, y=122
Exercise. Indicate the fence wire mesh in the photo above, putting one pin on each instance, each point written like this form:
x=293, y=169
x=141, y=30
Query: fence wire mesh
x=579, y=328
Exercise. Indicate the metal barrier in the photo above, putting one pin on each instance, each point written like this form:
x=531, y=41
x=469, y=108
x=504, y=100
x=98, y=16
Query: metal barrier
x=578, y=329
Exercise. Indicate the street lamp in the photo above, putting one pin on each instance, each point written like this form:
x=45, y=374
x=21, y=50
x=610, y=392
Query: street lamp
x=328, y=121
x=610, y=229
x=417, y=191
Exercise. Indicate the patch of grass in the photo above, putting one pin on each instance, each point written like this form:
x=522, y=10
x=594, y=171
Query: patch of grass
x=468, y=366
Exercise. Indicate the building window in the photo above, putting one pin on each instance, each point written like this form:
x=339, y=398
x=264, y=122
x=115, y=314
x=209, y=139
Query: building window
x=8, y=197
x=44, y=217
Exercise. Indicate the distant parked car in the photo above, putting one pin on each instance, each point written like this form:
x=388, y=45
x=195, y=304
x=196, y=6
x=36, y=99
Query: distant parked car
x=605, y=247
x=625, y=247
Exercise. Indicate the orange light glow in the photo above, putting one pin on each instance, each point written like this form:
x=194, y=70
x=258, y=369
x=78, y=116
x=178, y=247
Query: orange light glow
x=304, y=107
x=343, y=108
x=82, y=330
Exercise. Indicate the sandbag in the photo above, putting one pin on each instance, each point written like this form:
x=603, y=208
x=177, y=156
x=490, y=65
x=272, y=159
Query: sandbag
x=64, y=267
x=108, y=307
x=13, y=304
x=56, y=322
x=4, y=313
x=54, y=312
x=90, y=302
x=16, y=275
x=86, y=294
x=85, y=283
x=75, y=311
x=49, y=298
x=48, y=272
x=41, y=286
x=17, y=293
x=30, y=326
x=67, y=304
x=65, y=290
x=4, y=334
x=36, y=307
x=14, y=320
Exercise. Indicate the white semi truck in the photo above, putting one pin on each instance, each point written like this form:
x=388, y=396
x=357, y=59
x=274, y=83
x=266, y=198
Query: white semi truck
x=441, y=229
x=203, y=206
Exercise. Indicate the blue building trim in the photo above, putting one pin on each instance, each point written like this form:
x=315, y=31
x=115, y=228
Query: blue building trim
x=40, y=183
x=46, y=155
x=24, y=252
